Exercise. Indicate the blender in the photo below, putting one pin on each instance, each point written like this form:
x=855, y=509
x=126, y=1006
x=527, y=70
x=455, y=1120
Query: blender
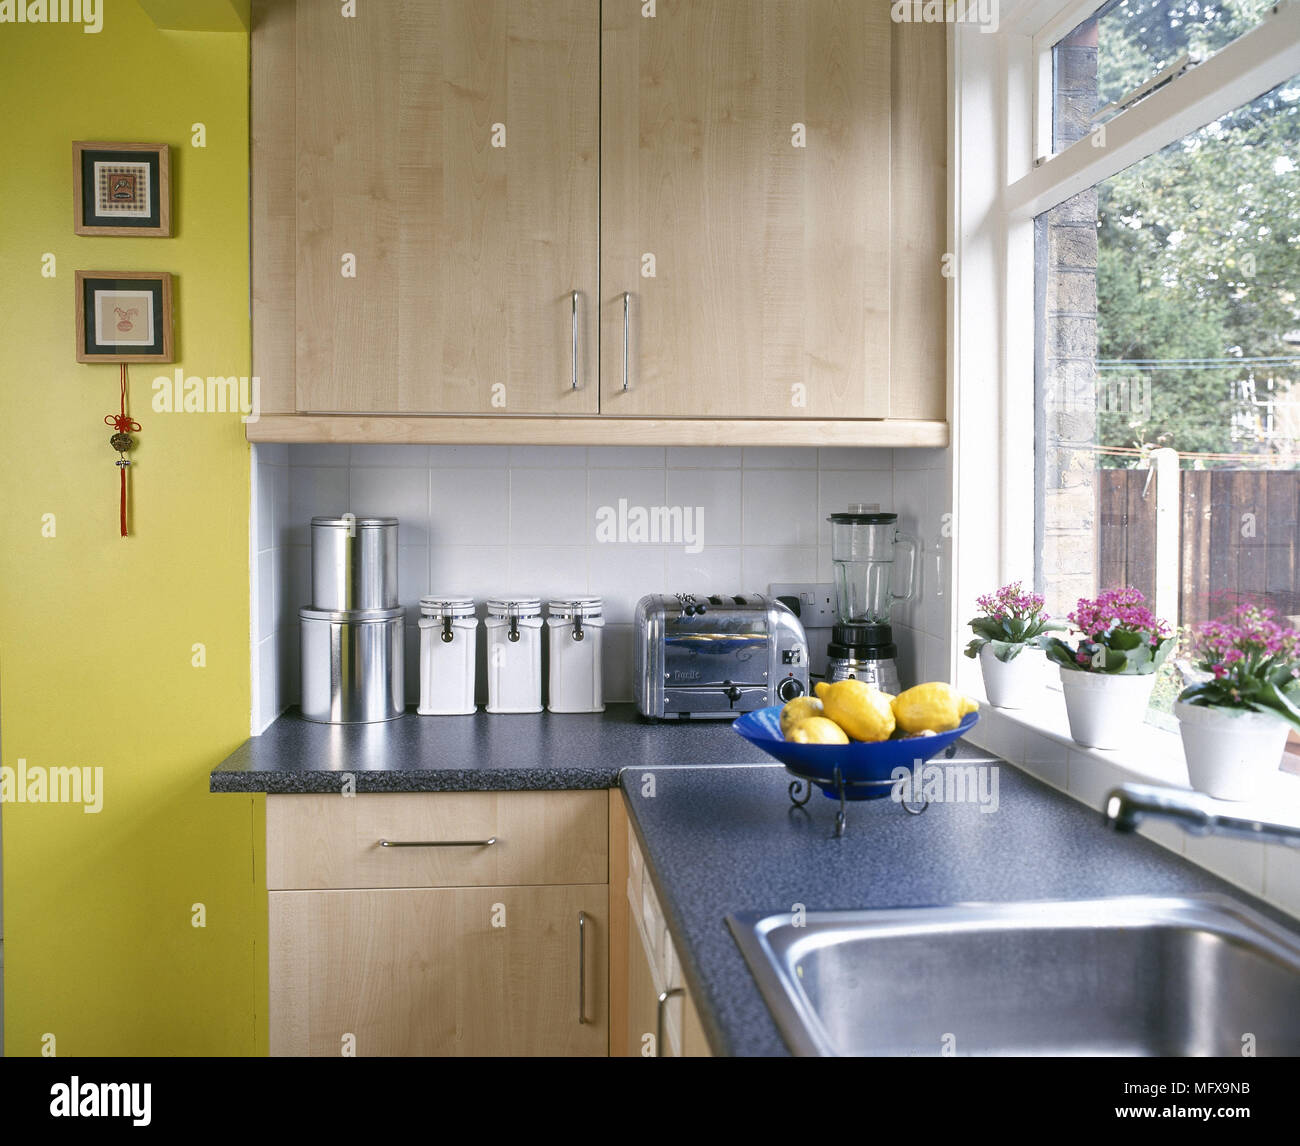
x=864, y=545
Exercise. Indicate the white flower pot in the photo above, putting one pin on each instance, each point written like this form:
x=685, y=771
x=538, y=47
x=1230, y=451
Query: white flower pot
x=1013, y=683
x=1230, y=752
x=1105, y=709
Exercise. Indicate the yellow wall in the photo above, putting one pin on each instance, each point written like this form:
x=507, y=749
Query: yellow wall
x=96, y=632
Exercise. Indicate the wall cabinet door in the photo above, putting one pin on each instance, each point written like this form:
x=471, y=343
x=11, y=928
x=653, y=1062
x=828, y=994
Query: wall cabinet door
x=493, y=971
x=745, y=209
x=447, y=206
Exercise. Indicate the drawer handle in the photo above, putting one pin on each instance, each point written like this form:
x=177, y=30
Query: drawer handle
x=582, y=967
x=438, y=843
x=659, y=1018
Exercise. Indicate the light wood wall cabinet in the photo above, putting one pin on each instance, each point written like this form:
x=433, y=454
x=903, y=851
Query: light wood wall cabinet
x=745, y=209
x=410, y=950
x=448, y=149
x=721, y=222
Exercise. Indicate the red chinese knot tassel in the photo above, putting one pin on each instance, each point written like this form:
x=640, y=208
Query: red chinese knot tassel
x=122, y=441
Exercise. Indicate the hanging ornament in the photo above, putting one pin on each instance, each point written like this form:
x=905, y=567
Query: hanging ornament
x=122, y=441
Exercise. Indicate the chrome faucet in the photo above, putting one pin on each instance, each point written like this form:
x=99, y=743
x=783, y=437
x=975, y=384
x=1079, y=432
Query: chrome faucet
x=1129, y=804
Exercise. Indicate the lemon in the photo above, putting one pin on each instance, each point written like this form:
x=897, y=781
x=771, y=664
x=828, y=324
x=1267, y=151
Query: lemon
x=862, y=710
x=932, y=707
x=801, y=708
x=816, y=730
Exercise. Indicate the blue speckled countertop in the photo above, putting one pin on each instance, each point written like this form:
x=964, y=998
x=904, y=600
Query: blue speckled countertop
x=720, y=835
x=723, y=840
x=479, y=753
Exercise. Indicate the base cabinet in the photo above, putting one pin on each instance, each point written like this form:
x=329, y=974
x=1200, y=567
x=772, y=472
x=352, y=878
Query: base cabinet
x=661, y=1019
x=439, y=924
x=485, y=971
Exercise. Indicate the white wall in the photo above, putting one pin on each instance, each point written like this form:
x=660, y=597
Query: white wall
x=491, y=519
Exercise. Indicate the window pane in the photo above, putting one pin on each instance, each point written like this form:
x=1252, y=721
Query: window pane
x=1169, y=318
x=1127, y=42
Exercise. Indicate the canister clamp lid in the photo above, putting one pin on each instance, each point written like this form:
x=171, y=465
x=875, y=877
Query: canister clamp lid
x=514, y=606
x=447, y=606
x=569, y=607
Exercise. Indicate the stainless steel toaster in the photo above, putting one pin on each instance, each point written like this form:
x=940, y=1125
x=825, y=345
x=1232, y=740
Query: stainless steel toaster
x=701, y=656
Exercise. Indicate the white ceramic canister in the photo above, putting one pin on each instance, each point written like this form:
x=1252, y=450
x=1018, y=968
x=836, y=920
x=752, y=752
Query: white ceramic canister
x=514, y=654
x=575, y=634
x=448, y=629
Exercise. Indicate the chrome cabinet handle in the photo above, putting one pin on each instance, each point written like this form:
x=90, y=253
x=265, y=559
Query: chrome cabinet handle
x=575, y=340
x=582, y=967
x=659, y=1018
x=438, y=843
x=627, y=323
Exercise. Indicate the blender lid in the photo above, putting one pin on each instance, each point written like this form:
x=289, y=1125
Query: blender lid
x=863, y=518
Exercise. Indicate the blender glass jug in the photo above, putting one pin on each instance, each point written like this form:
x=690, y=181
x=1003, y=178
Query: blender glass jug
x=863, y=548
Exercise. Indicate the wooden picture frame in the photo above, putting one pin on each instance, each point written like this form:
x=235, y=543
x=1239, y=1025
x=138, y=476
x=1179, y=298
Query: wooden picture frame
x=124, y=316
x=121, y=189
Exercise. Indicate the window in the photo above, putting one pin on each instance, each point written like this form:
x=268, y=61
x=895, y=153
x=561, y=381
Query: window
x=1168, y=362
x=1125, y=305
x=1128, y=47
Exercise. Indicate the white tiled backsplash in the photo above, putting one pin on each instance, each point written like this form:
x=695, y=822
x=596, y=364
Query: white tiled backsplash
x=485, y=520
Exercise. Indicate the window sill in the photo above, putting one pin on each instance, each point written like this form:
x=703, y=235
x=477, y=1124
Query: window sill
x=1037, y=740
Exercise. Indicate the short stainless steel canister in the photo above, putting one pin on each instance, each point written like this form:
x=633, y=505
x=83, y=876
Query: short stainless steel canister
x=352, y=665
x=353, y=563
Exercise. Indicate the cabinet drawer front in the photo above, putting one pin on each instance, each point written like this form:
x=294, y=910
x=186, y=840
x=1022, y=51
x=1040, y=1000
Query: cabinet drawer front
x=481, y=971
x=328, y=841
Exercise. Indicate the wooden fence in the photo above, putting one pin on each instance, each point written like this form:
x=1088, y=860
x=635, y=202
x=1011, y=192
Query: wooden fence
x=1238, y=538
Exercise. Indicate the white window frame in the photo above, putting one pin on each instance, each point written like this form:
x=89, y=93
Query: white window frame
x=1001, y=177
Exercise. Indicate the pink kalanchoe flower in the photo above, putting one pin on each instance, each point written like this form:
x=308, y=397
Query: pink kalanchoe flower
x=1116, y=609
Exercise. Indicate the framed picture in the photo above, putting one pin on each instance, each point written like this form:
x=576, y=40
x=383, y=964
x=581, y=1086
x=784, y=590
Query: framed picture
x=124, y=316
x=121, y=189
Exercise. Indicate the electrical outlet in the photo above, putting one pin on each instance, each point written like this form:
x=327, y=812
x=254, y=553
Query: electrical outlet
x=816, y=602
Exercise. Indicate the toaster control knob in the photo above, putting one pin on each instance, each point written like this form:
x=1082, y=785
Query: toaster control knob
x=789, y=688
x=732, y=693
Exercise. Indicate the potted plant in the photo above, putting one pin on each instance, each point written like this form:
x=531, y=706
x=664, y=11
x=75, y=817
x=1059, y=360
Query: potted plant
x=1235, y=719
x=1012, y=621
x=1108, y=674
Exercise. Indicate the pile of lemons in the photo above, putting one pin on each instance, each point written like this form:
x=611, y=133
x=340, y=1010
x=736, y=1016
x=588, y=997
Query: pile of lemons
x=853, y=710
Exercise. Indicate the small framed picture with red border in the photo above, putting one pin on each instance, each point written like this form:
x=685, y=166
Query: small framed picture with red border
x=121, y=189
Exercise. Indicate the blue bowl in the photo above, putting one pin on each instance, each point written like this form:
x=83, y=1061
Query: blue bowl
x=859, y=762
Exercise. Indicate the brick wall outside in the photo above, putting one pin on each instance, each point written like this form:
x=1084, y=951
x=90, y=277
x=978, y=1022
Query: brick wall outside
x=1067, y=269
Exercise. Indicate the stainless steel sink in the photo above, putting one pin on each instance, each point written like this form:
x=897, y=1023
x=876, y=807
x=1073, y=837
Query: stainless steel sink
x=1201, y=975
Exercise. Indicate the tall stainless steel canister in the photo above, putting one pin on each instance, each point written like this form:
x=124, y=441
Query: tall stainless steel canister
x=352, y=665
x=353, y=563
